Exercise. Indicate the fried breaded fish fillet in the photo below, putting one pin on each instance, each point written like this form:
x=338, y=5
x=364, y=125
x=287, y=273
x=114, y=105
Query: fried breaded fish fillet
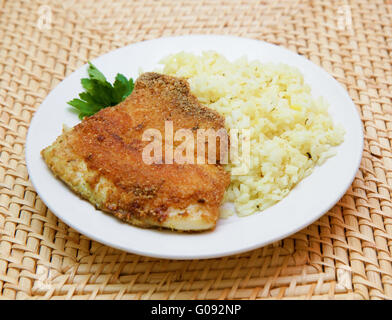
x=101, y=159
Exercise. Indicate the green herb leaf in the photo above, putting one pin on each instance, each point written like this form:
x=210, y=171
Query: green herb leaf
x=82, y=106
x=122, y=87
x=94, y=73
x=85, y=96
x=99, y=93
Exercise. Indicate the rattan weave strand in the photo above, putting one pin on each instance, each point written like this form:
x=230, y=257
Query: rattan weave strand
x=344, y=255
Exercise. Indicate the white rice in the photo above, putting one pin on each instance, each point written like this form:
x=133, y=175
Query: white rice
x=291, y=131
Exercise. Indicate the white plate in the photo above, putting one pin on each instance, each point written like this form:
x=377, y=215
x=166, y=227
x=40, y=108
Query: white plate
x=306, y=202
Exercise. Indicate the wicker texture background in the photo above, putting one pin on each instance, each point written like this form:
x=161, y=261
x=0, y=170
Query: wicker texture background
x=344, y=255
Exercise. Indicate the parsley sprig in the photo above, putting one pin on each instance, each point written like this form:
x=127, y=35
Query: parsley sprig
x=99, y=93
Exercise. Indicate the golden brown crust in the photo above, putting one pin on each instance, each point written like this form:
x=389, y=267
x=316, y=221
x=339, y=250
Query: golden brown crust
x=110, y=144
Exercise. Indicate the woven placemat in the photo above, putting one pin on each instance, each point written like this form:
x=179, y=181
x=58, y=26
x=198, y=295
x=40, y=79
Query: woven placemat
x=346, y=254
